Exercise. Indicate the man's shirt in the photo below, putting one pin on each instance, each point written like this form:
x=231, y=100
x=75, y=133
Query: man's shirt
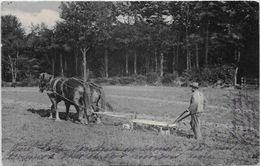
x=197, y=102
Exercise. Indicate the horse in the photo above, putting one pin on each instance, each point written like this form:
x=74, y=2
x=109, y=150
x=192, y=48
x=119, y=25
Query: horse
x=98, y=100
x=71, y=91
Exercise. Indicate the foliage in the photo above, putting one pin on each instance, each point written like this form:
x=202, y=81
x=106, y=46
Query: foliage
x=169, y=78
x=152, y=78
x=13, y=45
x=130, y=80
x=210, y=75
x=208, y=36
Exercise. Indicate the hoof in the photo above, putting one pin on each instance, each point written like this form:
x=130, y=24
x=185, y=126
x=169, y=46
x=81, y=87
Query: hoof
x=98, y=121
x=85, y=122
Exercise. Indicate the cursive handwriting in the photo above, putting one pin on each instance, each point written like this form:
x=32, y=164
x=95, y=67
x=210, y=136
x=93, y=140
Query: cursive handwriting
x=24, y=151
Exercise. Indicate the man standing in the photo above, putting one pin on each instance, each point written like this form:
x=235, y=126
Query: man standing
x=197, y=105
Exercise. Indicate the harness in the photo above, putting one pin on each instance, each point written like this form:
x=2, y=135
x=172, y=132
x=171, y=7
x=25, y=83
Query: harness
x=62, y=87
x=48, y=85
x=53, y=89
x=54, y=85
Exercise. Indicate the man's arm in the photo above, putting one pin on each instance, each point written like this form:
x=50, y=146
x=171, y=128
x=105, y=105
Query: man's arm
x=205, y=102
x=193, y=105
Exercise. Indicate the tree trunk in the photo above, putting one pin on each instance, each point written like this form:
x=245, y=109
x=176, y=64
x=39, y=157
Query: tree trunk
x=187, y=40
x=197, y=56
x=76, y=63
x=155, y=58
x=135, y=68
x=61, y=66
x=66, y=66
x=173, y=60
x=53, y=66
x=106, y=63
x=177, y=57
x=161, y=65
x=16, y=66
x=85, y=75
x=207, y=45
x=126, y=63
x=147, y=63
x=236, y=70
x=187, y=60
x=85, y=71
x=13, y=67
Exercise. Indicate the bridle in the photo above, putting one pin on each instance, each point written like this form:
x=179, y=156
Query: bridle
x=44, y=83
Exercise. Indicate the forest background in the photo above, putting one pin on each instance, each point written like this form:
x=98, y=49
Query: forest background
x=157, y=43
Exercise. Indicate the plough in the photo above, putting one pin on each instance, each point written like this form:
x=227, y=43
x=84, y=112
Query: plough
x=133, y=121
x=163, y=127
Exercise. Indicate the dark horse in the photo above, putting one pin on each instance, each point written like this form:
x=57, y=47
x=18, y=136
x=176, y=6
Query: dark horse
x=73, y=92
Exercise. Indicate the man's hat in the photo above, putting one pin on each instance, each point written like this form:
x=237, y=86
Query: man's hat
x=194, y=85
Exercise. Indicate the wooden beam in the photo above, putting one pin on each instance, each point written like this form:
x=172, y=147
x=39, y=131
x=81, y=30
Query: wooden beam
x=153, y=122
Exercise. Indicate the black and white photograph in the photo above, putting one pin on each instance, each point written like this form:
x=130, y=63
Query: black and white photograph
x=129, y=83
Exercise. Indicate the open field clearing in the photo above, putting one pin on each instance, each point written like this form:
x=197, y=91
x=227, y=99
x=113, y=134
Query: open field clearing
x=229, y=128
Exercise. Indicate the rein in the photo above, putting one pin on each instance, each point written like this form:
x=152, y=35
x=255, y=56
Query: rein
x=92, y=105
x=48, y=89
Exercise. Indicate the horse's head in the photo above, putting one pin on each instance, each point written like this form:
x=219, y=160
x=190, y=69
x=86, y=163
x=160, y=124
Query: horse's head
x=44, y=79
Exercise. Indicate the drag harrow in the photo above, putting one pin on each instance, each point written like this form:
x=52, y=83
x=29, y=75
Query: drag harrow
x=134, y=122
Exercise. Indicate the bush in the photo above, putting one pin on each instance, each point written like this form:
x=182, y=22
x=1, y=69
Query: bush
x=190, y=76
x=23, y=83
x=32, y=82
x=126, y=80
x=6, y=84
x=224, y=73
x=140, y=79
x=152, y=78
x=209, y=75
x=169, y=78
x=113, y=81
x=227, y=73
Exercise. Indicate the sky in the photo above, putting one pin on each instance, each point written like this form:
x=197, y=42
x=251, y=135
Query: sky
x=33, y=12
x=36, y=12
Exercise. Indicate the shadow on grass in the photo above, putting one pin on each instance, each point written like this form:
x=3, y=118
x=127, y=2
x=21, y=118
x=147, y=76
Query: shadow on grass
x=46, y=113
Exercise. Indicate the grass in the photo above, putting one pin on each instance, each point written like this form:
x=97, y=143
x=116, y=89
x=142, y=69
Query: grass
x=30, y=138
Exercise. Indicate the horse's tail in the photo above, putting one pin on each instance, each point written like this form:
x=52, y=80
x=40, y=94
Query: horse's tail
x=110, y=107
x=103, y=99
x=104, y=102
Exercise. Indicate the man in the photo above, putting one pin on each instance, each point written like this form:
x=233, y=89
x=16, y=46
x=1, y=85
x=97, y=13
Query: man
x=197, y=105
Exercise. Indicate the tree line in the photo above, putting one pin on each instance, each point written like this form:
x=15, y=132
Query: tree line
x=105, y=39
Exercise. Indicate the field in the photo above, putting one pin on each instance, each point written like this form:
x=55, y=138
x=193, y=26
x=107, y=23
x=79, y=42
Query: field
x=229, y=128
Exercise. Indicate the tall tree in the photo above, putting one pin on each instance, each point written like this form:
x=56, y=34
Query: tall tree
x=13, y=46
x=84, y=16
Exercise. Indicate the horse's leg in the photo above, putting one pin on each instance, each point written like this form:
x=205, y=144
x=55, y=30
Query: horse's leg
x=67, y=110
x=52, y=99
x=79, y=109
x=57, y=111
x=98, y=119
x=84, y=110
x=98, y=116
x=51, y=112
